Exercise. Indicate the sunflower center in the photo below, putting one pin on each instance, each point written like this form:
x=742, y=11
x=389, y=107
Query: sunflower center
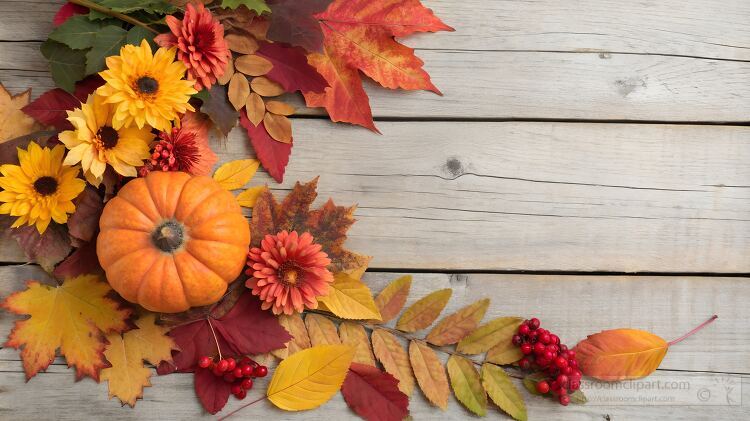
x=290, y=273
x=45, y=185
x=168, y=236
x=147, y=85
x=108, y=136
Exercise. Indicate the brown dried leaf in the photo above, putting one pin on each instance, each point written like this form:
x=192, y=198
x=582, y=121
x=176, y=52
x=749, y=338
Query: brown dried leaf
x=252, y=65
x=280, y=108
x=459, y=324
x=422, y=313
x=279, y=127
x=243, y=44
x=300, y=340
x=430, y=374
x=228, y=73
x=238, y=91
x=255, y=108
x=354, y=334
x=392, y=298
x=490, y=335
x=321, y=329
x=266, y=87
x=394, y=358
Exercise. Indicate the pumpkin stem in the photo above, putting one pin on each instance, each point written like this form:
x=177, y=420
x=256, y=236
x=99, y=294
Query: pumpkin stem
x=169, y=236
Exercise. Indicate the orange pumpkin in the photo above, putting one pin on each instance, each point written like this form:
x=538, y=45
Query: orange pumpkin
x=171, y=241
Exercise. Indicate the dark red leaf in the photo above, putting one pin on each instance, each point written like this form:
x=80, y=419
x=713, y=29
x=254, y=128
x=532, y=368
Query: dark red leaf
x=374, y=394
x=272, y=154
x=47, y=249
x=292, y=22
x=82, y=261
x=219, y=110
x=50, y=108
x=212, y=391
x=83, y=224
x=290, y=68
x=66, y=11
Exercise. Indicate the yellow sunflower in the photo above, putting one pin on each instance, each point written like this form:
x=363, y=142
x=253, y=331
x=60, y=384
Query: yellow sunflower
x=146, y=88
x=95, y=143
x=40, y=189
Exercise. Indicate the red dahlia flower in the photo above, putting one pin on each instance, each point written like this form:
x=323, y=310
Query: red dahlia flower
x=200, y=45
x=288, y=272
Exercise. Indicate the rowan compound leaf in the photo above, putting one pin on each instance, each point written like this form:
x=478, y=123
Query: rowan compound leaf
x=422, y=313
x=502, y=392
x=504, y=353
x=321, y=329
x=300, y=339
x=373, y=394
x=272, y=154
x=238, y=90
x=350, y=298
x=354, y=334
x=392, y=298
x=310, y=377
x=74, y=317
x=489, y=335
x=235, y=174
x=13, y=121
x=126, y=353
x=394, y=358
x=248, y=197
x=467, y=385
x=459, y=324
x=430, y=374
x=620, y=354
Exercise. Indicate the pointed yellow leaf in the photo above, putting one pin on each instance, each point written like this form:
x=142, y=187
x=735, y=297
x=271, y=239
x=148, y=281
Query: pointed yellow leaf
x=394, y=358
x=354, y=334
x=459, y=324
x=126, y=353
x=391, y=300
x=248, y=197
x=321, y=329
x=422, y=313
x=466, y=384
x=489, y=335
x=350, y=299
x=502, y=392
x=310, y=378
x=300, y=339
x=235, y=174
x=430, y=374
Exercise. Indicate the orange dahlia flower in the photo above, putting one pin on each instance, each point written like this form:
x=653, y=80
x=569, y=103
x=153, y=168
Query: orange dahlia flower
x=200, y=43
x=288, y=272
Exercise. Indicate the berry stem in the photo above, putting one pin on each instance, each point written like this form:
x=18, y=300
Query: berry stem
x=697, y=328
x=218, y=348
x=241, y=408
x=107, y=11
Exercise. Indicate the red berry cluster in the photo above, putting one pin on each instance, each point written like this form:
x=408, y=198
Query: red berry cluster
x=543, y=351
x=239, y=373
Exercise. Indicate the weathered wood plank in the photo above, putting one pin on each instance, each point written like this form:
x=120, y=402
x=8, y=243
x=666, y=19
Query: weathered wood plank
x=572, y=306
x=690, y=28
x=531, y=196
x=530, y=85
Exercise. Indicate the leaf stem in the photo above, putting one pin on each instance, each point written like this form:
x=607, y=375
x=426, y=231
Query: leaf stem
x=241, y=408
x=218, y=348
x=107, y=11
x=697, y=328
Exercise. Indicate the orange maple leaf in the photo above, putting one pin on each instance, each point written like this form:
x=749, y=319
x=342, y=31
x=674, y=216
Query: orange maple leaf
x=74, y=317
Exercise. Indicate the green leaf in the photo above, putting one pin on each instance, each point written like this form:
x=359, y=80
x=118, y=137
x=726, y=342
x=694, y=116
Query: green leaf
x=466, y=384
x=107, y=43
x=502, y=392
x=149, y=6
x=67, y=65
x=258, y=6
x=202, y=95
x=138, y=33
x=77, y=32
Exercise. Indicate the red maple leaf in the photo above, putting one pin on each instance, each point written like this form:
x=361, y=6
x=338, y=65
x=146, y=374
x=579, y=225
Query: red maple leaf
x=272, y=154
x=67, y=11
x=51, y=108
x=291, y=69
x=213, y=392
x=374, y=394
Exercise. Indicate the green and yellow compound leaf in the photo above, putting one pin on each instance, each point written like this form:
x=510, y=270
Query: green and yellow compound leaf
x=235, y=174
x=350, y=298
x=422, y=313
x=466, y=384
x=430, y=374
x=502, y=392
x=354, y=334
x=310, y=378
x=391, y=300
x=321, y=330
x=459, y=324
x=247, y=198
x=394, y=358
x=300, y=339
x=489, y=335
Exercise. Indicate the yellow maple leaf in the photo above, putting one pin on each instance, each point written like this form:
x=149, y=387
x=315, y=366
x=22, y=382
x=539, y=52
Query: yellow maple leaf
x=127, y=377
x=13, y=121
x=73, y=317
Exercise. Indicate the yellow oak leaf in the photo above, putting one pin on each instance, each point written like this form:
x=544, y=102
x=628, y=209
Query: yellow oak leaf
x=350, y=298
x=467, y=385
x=422, y=313
x=321, y=329
x=248, y=197
x=13, y=121
x=392, y=298
x=354, y=334
x=235, y=174
x=502, y=392
x=310, y=378
x=74, y=317
x=300, y=339
x=394, y=358
x=430, y=374
x=454, y=327
x=490, y=335
x=126, y=353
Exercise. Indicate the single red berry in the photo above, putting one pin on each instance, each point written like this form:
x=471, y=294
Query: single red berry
x=561, y=362
x=566, y=370
x=222, y=365
x=247, y=370
x=539, y=348
x=572, y=363
x=564, y=400
x=524, y=363
x=231, y=364
x=554, y=386
x=526, y=349
x=241, y=395
x=533, y=335
x=555, y=339
x=575, y=385
x=260, y=371
x=204, y=362
x=563, y=348
x=571, y=353
x=524, y=329
x=552, y=348
x=237, y=372
x=236, y=388
x=563, y=380
x=542, y=387
x=247, y=384
x=545, y=338
x=246, y=361
x=216, y=371
x=548, y=355
x=576, y=374
x=229, y=377
x=516, y=340
x=534, y=323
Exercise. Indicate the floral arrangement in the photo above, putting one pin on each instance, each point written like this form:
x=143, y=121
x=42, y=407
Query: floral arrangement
x=107, y=183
